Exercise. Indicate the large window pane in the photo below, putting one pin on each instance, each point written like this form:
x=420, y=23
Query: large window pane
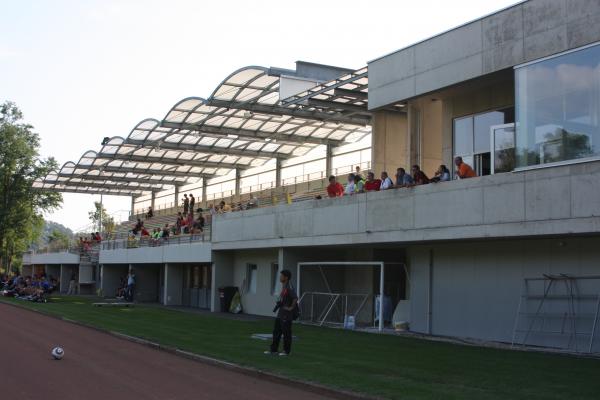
x=558, y=108
x=482, y=124
x=463, y=136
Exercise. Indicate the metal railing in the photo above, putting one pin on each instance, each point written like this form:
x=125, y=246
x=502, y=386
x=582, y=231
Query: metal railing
x=133, y=242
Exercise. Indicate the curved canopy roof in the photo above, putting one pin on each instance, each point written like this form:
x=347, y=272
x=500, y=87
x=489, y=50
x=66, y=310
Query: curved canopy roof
x=241, y=125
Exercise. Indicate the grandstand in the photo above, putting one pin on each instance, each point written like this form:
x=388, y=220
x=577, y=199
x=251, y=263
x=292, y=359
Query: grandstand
x=508, y=256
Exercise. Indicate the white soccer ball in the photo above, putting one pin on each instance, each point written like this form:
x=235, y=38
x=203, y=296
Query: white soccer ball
x=58, y=353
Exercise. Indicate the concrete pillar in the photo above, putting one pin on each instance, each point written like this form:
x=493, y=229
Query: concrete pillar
x=165, y=285
x=278, y=172
x=391, y=142
x=204, y=187
x=238, y=180
x=328, y=161
x=176, y=196
x=153, y=200
x=131, y=213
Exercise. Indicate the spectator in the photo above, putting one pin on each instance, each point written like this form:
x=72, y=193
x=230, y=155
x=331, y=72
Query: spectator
x=419, y=176
x=198, y=226
x=464, y=170
x=350, y=186
x=372, y=184
x=386, y=182
x=150, y=213
x=359, y=184
x=130, y=286
x=402, y=178
x=138, y=227
x=442, y=174
x=178, y=223
x=192, y=204
x=252, y=203
x=144, y=232
x=358, y=174
x=335, y=189
x=72, y=285
x=166, y=232
x=223, y=208
x=186, y=204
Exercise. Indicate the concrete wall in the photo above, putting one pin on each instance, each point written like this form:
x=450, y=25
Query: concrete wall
x=476, y=286
x=147, y=279
x=173, y=285
x=524, y=32
x=390, y=142
x=65, y=276
x=263, y=301
x=54, y=258
x=221, y=276
x=177, y=253
x=552, y=201
x=111, y=278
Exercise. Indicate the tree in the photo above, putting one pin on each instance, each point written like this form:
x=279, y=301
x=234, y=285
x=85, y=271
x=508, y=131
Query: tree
x=58, y=240
x=100, y=214
x=21, y=205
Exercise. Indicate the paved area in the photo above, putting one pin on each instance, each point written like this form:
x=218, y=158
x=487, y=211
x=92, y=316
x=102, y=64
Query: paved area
x=99, y=366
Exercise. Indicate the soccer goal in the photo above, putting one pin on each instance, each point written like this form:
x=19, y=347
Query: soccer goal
x=341, y=292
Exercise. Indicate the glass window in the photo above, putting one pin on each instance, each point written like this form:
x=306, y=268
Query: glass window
x=558, y=108
x=251, y=277
x=463, y=136
x=481, y=125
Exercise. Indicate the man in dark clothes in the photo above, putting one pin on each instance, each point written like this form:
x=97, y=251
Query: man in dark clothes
x=286, y=312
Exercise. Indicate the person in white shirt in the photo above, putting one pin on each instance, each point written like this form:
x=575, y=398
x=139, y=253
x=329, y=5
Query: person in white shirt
x=350, y=186
x=386, y=182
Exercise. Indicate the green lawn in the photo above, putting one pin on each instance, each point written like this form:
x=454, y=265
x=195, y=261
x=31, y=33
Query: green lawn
x=388, y=366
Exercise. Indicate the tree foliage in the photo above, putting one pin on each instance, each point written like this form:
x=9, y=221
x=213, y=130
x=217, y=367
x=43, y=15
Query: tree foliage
x=21, y=206
x=100, y=214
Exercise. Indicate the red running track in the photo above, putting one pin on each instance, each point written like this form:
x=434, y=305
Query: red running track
x=100, y=366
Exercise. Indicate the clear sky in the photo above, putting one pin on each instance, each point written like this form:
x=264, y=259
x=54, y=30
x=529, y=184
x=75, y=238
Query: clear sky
x=81, y=70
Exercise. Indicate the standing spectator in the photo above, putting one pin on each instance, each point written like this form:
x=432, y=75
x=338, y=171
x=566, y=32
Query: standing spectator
x=130, y=286
x=72, y=285
x=419, y=176
x=402, y=178
x=441, y=175
x=386, y=182
x=286, y=312
x=186, y=204
x=463, y=170
x=192, y=204
x=350, y=186
x=372, y=184
x=335, y=189
x=358, y=174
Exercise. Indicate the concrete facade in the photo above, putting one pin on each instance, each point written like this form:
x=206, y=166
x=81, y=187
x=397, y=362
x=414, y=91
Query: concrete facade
x=552, y=201
x=522, y=33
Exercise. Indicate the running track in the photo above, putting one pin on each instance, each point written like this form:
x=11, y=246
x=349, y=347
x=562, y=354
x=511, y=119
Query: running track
x=101, y=366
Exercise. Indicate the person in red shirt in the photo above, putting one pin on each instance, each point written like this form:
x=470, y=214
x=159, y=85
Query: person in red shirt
x=372, y=184
x=335, y=189
x=463, y=170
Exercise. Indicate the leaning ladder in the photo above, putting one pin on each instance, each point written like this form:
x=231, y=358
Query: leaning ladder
x=571, y=296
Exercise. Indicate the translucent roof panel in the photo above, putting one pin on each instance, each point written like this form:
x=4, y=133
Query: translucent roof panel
x=241, y=125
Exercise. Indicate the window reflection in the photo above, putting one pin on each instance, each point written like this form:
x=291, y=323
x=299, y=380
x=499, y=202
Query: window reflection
x=558, y=108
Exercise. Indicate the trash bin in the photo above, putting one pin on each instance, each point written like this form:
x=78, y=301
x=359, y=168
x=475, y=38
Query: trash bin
x=225, y=295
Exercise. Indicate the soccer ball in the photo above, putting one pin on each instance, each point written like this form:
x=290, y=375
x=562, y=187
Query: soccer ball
x=58, y=353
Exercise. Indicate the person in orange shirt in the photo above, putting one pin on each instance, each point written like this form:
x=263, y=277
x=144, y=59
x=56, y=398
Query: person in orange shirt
x=463, y=170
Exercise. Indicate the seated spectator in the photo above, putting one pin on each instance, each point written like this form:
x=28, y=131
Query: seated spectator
x=359, y=184
x=138, y=227
x=441, y=175
x=463, y=170
x=223, y=208
x=372, y=184
x=166, y=231
x=252, y=203
x=335, y=189
x=198, y=226
x=419, y=176
x=402, y=178
x=144, y=232
x=150, y=213
x=350, y=186
x=386, y=182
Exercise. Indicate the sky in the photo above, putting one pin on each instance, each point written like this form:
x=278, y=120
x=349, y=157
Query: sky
x=81, y=70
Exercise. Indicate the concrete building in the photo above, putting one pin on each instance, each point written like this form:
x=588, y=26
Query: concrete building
x=511, y=255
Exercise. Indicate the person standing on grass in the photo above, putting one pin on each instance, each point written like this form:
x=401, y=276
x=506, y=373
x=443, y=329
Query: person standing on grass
x=130, y=285
x=287, y=311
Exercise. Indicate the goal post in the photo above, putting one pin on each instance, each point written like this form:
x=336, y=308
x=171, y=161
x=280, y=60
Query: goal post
x=350, y=264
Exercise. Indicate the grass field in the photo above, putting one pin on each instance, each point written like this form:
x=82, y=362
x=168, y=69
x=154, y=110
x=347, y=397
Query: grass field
x=382, y=365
